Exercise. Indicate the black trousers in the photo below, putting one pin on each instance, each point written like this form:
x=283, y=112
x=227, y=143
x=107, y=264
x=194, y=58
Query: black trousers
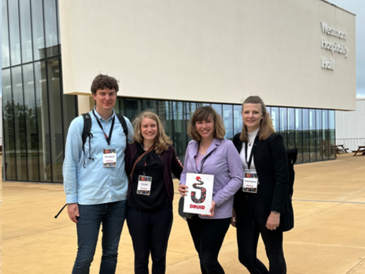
x=150, y=232
x=208, y=236
x=251, y=222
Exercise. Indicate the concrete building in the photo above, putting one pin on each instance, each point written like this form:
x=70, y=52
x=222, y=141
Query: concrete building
x=350, y=126
x=172, y=57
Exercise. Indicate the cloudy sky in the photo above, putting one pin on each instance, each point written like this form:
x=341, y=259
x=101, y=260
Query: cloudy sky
x=357, y=7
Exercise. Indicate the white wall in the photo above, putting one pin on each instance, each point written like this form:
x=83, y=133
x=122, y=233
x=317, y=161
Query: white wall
x=210, y=50
x=350, y=126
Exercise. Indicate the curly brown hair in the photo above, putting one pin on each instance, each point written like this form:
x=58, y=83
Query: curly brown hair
x=104, y=81
x=266, y=126
x=162, y=141
x=201, y=114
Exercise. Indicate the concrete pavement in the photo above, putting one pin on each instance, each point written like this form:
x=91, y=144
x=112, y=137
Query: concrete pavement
x=328, y=238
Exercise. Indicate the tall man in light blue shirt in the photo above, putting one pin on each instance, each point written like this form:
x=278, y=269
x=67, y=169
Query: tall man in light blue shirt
x=95, y=181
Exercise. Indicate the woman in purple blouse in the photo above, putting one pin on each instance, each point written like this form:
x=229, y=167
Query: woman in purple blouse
x=210, y=153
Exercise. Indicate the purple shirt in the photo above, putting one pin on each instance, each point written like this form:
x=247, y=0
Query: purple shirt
x=225, y=164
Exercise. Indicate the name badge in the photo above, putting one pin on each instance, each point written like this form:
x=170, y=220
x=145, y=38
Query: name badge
x=144, y=185
x=250, y=181
x=109, y=157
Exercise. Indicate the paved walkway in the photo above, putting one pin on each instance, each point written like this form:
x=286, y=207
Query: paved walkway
x=328, y=238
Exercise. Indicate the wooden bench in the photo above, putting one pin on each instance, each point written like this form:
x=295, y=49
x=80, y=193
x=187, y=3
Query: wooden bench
x=360, y=149
x=340, y=148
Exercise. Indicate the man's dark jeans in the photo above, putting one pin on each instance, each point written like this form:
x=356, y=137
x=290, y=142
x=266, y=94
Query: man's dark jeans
x=111, y=216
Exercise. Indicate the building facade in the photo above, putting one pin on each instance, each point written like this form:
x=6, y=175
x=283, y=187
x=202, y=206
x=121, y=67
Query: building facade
x=172, y=57
x=350, y=126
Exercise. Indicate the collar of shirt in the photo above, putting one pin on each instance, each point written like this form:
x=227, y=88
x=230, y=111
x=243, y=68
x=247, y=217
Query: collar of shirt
x=101, y=118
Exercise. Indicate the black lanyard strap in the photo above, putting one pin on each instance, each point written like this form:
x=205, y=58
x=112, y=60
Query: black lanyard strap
x=108, y=139
x=252, y=151
x=203, y=161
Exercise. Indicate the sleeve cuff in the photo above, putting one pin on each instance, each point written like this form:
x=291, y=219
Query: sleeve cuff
x=71, y=198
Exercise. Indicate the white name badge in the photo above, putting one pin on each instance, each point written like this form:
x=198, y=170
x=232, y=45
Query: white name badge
x=250, y=181
x=144, y=185
x=109, y=157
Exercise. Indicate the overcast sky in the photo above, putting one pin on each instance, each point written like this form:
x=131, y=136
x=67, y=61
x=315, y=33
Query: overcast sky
x=357, y=7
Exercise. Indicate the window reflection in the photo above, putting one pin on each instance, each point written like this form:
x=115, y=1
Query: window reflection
x=5, y=37
x=14, y=32
x=9, y=130
x=228, y=121
x=50, y=19
x=26, y=34
x=31, y=123
x=306, y=145
x=312, y=135
x=38, y=33
x=44, y=145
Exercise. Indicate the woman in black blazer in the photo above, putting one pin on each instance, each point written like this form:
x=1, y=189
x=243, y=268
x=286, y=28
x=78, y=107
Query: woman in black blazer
x=263, y=205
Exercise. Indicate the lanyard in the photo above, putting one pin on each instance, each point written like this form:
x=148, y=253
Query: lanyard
x=252, y=151
x=200, y=171
x=108, y=139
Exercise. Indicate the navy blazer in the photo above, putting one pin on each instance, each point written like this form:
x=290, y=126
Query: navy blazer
x=272, y=169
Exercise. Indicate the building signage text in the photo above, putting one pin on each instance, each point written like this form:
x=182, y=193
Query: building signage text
x=332, y=46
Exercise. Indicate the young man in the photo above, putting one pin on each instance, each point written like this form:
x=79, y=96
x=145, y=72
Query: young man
x=95, y=180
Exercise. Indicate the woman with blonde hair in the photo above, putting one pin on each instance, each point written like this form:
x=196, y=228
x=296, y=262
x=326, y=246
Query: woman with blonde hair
x=210, y=153
x=150, y=159
x=263, y=205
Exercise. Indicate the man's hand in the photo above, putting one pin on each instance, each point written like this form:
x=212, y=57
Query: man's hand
x=73, y=212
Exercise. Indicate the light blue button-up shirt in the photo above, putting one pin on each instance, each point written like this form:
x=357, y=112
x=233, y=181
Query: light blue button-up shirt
x=95, y=184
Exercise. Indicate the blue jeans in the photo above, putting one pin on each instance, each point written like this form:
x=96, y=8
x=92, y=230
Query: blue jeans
x=111, y=216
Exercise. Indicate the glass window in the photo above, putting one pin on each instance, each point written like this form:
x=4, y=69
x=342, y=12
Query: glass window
x=178, y=128
x=69, y=106
x=237, y=119
x=332, y=133
x=26, y=33
x=37, y=25
x=325, y=135
x=150, y=105
x=9, y=130
x=291, y=128
x=55, y=104
x=275, y=116
x=19, y=122
x=299, y=134
x=5, y=35
x=228, y=121
x=14, y=33
x=312, y=135
x=217, y=108
x=306, y=145
x=31, y=123
x=44, y=137
x=283, y=130
x=319, y=132
x=133, y=108
x=50, y=19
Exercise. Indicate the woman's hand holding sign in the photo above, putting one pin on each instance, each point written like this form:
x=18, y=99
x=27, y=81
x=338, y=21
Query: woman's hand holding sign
x=183, y=189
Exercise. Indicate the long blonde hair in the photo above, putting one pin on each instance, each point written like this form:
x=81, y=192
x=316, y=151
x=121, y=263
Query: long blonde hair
x=162, y=141
x=266, y=126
